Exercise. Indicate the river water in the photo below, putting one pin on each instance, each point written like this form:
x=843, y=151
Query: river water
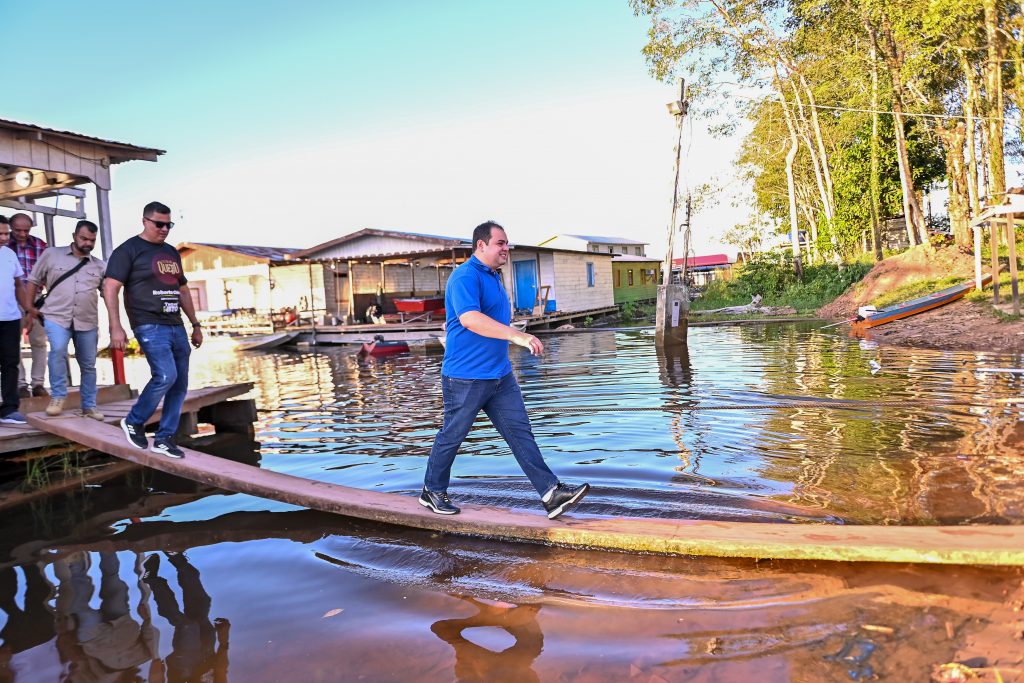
x=147, y=577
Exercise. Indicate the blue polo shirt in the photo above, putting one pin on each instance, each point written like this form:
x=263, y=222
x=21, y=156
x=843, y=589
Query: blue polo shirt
x=473, y=286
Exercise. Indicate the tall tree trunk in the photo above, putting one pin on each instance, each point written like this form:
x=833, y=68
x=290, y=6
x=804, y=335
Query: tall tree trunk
x=956, y=172
x=994, y=87
x=794, y=147
x=827, y=205
x=970, y=112
x=893, y=61
x=876, y=228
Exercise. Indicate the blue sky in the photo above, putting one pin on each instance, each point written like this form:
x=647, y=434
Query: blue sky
x=288, y=125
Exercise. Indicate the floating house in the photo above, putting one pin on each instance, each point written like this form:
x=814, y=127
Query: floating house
x=635, y=278
x=232, y=280
x=597, y=244
x=391, y=268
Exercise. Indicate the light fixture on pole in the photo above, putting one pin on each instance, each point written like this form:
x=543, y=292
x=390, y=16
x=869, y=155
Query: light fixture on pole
x=23, y=179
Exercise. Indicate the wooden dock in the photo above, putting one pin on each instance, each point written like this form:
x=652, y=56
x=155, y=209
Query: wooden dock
x=988, y=545
x=114, y=402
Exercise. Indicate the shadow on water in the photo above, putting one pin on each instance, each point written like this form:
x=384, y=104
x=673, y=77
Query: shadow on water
x=314, y=597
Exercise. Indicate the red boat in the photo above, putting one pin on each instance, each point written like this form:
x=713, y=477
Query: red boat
x=419, y=304
x=379, y=347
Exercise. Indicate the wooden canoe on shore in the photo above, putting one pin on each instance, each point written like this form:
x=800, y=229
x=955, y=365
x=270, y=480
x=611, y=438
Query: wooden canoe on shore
x=918, y=305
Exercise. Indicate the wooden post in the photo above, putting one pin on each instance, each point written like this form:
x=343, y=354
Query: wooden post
x=673, y=300
x=1011, y=245
x=977, y=257
x=994, y=249
x=351, y=295
x=103, y=208
x=51, y=239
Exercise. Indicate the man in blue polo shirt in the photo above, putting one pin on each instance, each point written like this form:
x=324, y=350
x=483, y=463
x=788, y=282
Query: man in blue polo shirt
x=476, y=374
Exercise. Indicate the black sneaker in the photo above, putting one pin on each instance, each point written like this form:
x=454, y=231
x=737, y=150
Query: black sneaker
x=167, y=447
x=563, y=498
x=136, y=434
x=438, y=502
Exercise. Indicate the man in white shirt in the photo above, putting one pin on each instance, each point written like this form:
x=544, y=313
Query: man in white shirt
x=12, y=293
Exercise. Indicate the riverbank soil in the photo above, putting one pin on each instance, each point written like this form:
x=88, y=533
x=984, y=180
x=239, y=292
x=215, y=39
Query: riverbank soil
x=962, y=325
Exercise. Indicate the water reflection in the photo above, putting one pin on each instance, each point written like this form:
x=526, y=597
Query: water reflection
x=369, y=424
x=199, y=646
x=480, y=664
x=104, y=643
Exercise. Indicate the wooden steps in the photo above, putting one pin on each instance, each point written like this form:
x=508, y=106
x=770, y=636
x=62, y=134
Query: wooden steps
x=114, y=403
x=992, y=545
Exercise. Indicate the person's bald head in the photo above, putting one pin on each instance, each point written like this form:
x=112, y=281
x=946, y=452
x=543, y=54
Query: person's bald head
x=21, y=225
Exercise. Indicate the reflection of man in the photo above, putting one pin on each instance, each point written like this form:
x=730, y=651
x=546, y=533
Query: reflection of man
x=29, y=626
x=198, y=646
x=111, y=641
x=70, y=314
x=29, y=250
x=476, y=375
x=155, y=293
x=476, y=664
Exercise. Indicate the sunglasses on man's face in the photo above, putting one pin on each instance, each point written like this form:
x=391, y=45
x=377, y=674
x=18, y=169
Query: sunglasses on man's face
x=160, y=225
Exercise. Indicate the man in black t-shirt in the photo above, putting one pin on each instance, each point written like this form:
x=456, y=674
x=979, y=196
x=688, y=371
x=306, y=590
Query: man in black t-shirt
x=155, y=293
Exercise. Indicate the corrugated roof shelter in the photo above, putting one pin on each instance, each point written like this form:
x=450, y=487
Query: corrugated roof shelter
x=38, y=163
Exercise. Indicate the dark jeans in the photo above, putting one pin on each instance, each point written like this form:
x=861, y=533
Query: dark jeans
x=167, y=351
x=10, y=356
x=503, y=403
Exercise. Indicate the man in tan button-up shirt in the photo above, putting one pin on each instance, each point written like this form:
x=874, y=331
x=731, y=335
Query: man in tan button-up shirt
x=70, y=313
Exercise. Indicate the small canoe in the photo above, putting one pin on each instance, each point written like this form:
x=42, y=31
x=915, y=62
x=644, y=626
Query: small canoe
x=915, y=306
x=264, y=341
x=380, y=347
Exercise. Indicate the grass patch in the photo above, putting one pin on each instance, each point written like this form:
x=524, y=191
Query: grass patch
x=776, y=282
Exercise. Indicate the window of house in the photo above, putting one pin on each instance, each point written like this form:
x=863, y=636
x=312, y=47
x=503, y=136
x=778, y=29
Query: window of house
x=639, y=251
x=591, y=275
x=594, y=247
x=629, y=277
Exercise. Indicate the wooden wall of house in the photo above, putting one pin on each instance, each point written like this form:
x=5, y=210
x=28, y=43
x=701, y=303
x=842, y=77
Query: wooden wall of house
x=644, y=284
x=571, y=289
x=56, y=154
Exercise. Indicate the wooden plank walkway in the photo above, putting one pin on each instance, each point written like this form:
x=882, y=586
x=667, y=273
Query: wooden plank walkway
x=115, y=402
x=992, y=545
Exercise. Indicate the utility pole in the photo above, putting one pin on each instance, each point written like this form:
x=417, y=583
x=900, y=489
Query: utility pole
x=673, y=299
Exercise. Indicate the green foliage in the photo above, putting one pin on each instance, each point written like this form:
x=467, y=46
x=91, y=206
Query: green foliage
x=775, y=281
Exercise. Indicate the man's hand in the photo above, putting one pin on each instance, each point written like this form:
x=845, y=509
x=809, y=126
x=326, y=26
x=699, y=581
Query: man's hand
x=528, y=341
x=118, y=339
x=28, y=320
x=197, y=336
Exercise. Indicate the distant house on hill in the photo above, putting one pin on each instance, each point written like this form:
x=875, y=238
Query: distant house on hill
x=704, y=269
x=597, y=244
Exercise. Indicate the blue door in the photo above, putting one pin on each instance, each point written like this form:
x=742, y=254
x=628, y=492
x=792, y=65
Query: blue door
x=526, y=283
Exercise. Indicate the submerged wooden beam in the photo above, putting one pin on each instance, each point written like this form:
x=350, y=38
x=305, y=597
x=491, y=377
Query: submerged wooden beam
x=991, y=545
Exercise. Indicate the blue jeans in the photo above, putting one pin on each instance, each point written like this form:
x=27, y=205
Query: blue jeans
x=503, y=403
x=167, y=350
x=85, y=354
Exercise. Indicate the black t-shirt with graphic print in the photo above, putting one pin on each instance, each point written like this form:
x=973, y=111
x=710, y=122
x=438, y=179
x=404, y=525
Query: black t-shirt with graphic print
x=152, y=275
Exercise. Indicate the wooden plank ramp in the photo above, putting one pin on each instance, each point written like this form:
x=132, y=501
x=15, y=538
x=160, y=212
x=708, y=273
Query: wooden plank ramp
x=115, y=402
x=991, y=545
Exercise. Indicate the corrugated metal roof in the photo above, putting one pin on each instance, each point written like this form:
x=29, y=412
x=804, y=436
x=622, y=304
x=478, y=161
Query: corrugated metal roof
x=606, y=240
x=271, y=253
x=696, y=261
x=7, y=123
